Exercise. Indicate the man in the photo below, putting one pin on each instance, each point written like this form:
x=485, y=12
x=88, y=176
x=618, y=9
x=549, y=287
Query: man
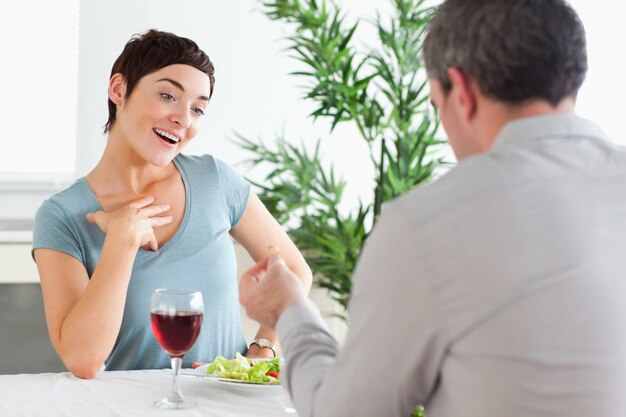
x=499, y=290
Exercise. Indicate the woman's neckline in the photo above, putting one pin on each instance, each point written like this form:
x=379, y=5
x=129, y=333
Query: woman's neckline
x=183, y=174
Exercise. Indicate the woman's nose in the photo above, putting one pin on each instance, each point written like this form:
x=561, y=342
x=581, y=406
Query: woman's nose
x=182, y=117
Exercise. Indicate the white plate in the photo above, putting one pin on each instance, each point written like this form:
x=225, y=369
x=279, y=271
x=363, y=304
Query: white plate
x=238, y=386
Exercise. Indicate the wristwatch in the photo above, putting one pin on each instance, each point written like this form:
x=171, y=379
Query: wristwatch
x=264, y=343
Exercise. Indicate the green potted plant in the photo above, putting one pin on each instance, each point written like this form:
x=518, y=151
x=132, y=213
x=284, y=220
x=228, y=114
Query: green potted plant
x=382, y=92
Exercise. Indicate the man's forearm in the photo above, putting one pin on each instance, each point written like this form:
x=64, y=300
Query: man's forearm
x=310, y=352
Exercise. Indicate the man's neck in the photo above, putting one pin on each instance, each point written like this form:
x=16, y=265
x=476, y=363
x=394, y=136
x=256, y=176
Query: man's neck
x=495, y=115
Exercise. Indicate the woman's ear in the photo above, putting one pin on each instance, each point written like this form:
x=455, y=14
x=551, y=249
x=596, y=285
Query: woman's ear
x=465, y=95
x=117, y=89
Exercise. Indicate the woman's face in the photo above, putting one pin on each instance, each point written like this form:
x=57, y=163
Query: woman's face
x=163, y=112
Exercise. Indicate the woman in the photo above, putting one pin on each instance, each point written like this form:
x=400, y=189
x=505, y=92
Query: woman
x=148, y=217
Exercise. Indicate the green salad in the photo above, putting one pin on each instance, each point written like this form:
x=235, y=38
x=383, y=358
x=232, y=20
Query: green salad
x=243, y=369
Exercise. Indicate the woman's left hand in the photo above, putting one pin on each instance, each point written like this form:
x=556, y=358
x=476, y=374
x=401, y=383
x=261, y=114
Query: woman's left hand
x=254, y=351
x=194, y=365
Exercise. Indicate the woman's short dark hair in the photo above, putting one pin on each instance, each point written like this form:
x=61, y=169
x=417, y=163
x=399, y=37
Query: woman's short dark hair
x=151, y=51
x=516, y=50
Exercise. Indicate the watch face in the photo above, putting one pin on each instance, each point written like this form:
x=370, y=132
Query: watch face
x=263, y=342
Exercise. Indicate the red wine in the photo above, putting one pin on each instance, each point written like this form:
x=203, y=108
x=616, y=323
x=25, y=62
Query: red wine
x=176, y=332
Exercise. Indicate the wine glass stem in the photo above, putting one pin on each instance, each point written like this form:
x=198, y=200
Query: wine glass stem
x=176, y=395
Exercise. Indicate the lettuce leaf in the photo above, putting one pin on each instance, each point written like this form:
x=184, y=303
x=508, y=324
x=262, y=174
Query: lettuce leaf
x=242, y=369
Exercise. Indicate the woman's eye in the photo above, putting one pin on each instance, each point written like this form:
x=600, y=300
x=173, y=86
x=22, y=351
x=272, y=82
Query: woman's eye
x=198, y=111
x=167, y=97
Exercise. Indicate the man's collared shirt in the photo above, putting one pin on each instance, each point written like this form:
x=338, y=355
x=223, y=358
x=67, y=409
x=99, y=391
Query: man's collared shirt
x=498, y=290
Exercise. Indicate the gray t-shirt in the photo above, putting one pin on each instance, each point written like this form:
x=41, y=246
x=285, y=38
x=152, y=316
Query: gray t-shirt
x=200, y=255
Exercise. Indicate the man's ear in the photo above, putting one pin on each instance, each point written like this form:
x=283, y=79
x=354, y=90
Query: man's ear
x=117, y=89
x=464, y=89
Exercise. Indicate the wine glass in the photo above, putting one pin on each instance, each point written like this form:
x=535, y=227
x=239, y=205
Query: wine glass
x=176, y=318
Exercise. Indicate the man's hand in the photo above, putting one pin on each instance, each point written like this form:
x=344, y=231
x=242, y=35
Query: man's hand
x=268, y=288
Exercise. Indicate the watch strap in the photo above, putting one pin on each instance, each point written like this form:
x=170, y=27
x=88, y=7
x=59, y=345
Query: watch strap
x=264, y=344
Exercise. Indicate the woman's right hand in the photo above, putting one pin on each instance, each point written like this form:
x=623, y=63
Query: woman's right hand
x=135, y=221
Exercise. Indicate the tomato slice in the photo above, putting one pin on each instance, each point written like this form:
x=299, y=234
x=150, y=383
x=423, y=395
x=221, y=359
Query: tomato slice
x=272, y=374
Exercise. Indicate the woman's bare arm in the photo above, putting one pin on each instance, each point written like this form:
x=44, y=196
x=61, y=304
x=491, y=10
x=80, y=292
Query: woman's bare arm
x=84, y=315
x=258, y=232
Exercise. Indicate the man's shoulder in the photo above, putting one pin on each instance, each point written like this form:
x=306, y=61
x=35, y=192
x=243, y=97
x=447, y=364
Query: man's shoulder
x=463, y=182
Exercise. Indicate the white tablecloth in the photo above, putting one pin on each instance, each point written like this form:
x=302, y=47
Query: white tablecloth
x=126, y=393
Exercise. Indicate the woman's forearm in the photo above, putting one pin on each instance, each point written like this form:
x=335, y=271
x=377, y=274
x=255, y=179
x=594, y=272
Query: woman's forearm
x=303, y=271
x=89, y=330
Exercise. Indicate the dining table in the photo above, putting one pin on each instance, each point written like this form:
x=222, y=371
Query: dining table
x=131, y=393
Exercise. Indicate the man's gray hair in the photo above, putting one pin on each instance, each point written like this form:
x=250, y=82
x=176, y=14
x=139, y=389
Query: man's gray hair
x=516, y=50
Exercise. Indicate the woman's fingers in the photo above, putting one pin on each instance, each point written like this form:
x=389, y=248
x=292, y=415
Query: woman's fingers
x=194, y=365
x=153, y=210
x=142, y=202
x=137, y=219
x=153, y=244
x=94, y=217
x=160, y=220
x=98, y=218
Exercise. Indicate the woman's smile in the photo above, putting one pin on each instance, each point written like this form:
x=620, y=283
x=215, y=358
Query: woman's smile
x=167, y=137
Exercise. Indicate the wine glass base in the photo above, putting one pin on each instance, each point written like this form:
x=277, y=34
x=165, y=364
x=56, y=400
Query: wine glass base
x=166, y=404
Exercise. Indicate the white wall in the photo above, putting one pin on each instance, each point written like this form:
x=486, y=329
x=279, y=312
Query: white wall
x=601, y=98
x=38, y=72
